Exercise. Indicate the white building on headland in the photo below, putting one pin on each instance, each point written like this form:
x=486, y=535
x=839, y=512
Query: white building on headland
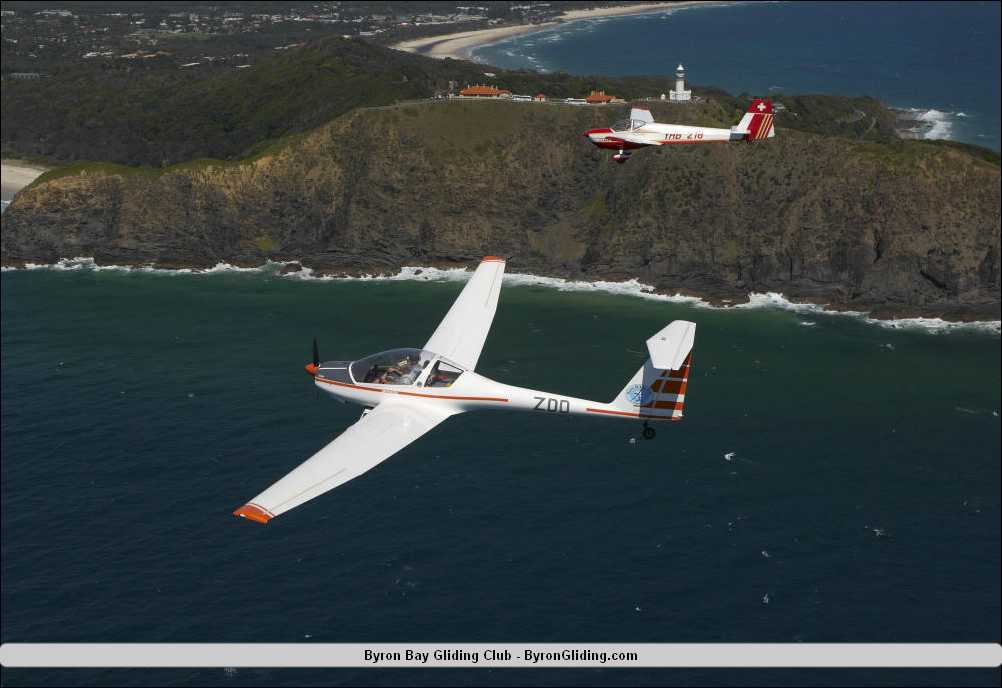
x=680, y=95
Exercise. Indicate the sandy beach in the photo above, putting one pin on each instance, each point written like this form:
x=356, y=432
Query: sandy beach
x=460, y=46
x=17, y=174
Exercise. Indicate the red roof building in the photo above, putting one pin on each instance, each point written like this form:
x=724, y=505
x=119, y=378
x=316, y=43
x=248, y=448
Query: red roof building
x=599, y=97
x=481, y=91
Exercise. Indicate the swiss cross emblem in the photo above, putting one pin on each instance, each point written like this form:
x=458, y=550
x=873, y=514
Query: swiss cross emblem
x=761, y=106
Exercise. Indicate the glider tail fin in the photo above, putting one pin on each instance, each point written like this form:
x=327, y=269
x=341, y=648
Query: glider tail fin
x=756, y=125
x=658, y=389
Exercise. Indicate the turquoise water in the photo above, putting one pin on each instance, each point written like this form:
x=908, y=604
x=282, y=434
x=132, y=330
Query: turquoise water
x=941, y=58
x=860, y=500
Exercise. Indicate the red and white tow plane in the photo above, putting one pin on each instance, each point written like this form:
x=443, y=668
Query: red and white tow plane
x=408, y=392
x=641, y=130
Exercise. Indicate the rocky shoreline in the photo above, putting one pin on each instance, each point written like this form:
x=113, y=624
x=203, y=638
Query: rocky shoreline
x=924, y=124
x=897, y=229
x=989, y=313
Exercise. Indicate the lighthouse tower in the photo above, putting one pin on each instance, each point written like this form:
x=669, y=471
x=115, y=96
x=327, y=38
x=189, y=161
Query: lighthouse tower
x=680, y=95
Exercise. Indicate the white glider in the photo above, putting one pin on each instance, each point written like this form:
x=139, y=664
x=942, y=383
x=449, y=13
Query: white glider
x=408, y=392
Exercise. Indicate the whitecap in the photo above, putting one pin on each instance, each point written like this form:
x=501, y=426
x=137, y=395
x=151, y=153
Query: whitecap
x=88, y=263
x=939, y=124
x=632, y=287
x=932, y=325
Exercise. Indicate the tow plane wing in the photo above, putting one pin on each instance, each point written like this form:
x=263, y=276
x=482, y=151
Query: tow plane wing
x=378, y=435
x=635, y=139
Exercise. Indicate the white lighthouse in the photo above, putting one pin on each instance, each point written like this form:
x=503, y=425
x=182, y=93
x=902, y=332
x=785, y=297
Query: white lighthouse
x=680, y=95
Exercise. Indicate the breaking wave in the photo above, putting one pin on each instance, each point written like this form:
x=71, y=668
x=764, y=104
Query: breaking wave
x=83, y=263
x=933, y=124
x=940, y=124
x=633, y=287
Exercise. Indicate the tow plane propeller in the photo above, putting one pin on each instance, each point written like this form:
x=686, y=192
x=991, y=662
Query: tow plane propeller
x=410, y=391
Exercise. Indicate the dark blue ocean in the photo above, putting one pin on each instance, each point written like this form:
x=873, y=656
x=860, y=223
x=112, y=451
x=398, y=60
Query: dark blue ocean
x=834, y=480
x=941, y=58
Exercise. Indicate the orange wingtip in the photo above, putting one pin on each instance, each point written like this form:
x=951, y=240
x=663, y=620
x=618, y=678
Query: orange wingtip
x=254, y=513
x=496, y=259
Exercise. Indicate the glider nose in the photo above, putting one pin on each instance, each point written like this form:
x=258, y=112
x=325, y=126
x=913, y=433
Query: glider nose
x=312, y=368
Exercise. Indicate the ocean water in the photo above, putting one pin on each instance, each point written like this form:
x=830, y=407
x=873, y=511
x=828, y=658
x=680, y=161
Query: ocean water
x=941, y=58
x=834, y=480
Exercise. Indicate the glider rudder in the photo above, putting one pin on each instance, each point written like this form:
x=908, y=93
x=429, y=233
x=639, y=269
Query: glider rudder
x=659, y=392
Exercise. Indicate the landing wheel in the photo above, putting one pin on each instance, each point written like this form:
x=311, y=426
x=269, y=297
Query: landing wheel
x=649, y=432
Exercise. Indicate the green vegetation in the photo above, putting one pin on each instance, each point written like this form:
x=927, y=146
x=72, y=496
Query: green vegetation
x=90, y=167
x=151, y=116
x=159, y=118
x=985, y=154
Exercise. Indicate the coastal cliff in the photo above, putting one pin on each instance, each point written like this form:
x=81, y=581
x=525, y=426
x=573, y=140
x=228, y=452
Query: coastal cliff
x=897, y=227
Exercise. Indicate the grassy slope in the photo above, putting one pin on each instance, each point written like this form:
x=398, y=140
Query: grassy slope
x=828, y=115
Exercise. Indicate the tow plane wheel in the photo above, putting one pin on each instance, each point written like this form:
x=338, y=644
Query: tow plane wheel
x=649, y=432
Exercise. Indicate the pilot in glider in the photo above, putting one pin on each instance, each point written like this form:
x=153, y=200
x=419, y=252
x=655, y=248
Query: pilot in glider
x=408, y=392
x=641, y=130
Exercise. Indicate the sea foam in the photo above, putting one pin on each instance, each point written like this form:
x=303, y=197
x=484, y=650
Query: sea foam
x=933, y=123
x=632, y=287
x=940, y=124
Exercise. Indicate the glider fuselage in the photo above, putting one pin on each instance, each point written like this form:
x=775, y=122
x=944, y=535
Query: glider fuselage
x=469, y=391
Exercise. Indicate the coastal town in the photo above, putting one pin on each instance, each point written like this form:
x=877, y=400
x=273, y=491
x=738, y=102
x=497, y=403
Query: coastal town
x=184, y=35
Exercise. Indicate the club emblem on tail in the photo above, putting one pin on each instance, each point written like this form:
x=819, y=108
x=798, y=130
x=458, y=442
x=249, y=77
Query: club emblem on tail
x=638, y=395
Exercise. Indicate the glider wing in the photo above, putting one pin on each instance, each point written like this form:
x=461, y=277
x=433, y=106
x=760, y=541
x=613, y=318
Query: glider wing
x=378, y=435
x=461, y=335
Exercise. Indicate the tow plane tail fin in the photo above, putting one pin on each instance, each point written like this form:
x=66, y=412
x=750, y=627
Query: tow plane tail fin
x=756, y=125
x=657, y=390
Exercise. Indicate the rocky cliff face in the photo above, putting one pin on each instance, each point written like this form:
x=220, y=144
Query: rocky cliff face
x=903, y=227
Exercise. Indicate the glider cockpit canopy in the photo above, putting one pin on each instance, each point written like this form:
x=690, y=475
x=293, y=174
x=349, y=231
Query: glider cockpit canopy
x=393, y=367
x=405, y=367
